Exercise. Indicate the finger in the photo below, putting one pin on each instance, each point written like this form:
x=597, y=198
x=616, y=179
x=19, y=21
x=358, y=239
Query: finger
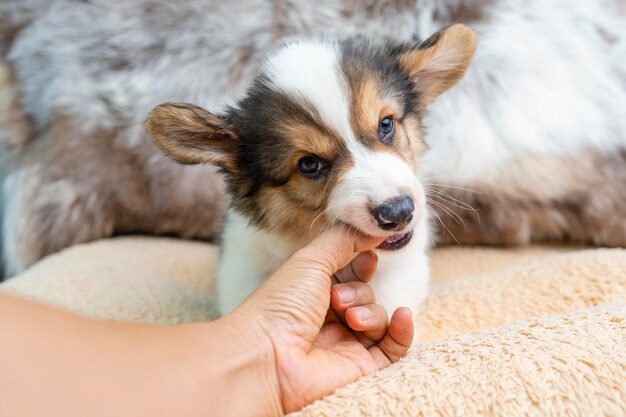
x=351, y=294
x=362, y=268
x=333, y=249
x=371, y=320
x=396, y=341
x=308, y=273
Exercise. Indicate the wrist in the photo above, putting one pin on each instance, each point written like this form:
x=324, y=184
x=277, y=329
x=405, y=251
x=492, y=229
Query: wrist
x=244, y=355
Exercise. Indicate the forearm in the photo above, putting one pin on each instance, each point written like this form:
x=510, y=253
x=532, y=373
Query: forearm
x=57, y=363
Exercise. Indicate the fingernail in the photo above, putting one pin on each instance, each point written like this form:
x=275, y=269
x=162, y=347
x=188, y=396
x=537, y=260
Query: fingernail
x=363, y=313
x=346, y=293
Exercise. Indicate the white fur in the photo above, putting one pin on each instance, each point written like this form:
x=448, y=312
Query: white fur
x=10, y=186
x=543, y=82
x=374, y=178
x=310, y=72
x=249, y=256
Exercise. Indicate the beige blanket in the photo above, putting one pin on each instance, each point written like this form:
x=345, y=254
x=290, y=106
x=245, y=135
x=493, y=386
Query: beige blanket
x=529, y=332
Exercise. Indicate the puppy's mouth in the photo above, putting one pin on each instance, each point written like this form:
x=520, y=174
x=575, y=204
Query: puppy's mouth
x=396, y=242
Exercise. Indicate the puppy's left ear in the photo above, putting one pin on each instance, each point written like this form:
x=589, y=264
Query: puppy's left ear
x=439, y=62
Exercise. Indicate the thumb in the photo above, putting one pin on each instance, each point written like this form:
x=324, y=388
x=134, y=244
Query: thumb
x=299, y=291
x=328, y=253
x=301, y=287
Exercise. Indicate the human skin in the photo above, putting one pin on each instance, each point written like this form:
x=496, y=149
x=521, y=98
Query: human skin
x=281, y=349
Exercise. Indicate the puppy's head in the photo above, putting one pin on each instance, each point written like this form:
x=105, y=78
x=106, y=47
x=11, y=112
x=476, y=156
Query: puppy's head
x=329, y=132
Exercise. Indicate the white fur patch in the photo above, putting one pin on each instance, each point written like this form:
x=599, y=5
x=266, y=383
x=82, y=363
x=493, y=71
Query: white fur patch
x=374, y=178
x=249, y=256
x=11, y=210
x=401, y=279
x=310, y=72
x=543, y=82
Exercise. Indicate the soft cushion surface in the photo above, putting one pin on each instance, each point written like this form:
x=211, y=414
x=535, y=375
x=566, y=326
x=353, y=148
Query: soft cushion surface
x=516, y=332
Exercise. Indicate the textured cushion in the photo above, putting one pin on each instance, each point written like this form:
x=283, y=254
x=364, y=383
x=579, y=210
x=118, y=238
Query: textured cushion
x=515, y=332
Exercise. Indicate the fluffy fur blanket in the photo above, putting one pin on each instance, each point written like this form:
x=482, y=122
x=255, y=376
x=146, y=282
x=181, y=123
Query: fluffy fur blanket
x=539, y=331
x=536, y=125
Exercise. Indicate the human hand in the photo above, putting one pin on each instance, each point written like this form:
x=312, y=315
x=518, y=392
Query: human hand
x=297, y=338
x=324, y=334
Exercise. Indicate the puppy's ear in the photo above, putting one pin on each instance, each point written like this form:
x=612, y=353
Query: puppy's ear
x=439, y=62
x=192, y=135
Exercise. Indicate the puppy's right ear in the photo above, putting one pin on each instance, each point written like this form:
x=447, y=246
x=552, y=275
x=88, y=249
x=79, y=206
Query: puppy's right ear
x=192, y=135
x=439, y=62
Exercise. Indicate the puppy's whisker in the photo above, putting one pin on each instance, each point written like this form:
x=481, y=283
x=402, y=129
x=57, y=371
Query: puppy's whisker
x=315, y=219
x=469, y=190
x=443, y=200
x=458, y=219
x=327, y=226
x=452, y=214
x=449, y=197
x=446, y=227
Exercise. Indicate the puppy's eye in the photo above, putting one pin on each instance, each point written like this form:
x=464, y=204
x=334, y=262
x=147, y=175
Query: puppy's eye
x=311, y=167
x=385, y=129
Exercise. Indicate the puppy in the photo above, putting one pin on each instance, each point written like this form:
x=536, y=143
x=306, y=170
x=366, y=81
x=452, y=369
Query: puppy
x=330, y=132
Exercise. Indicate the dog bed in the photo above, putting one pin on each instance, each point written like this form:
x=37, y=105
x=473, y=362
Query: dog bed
x=538, y=331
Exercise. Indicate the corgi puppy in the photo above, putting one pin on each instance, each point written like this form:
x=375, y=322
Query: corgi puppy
x=329, y=132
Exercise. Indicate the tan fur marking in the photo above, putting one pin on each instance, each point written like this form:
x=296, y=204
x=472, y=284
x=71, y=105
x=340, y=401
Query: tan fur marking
x=370, y=107
x=309, y=140
x=15, y=126
x=295, y=207
x=192, y=135
x=442, y=63
x=413, y=146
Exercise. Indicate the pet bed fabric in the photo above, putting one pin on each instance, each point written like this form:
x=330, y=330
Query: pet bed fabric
x=539, y=331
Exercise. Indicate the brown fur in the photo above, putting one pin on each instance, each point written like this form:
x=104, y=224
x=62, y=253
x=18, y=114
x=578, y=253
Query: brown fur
x=561, y=202
x=15, y=126
x=192, y=135
x=451, y=48
x=77, y=198
x=187, y=201
x=310, y=140
x=465, y=11
x=288, y=208
x=411, y=129
x=370, y=103
x=259, y=143
x=297, y=208
x=370, y=106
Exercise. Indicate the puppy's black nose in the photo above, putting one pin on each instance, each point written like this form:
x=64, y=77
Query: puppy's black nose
x=394, y=213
